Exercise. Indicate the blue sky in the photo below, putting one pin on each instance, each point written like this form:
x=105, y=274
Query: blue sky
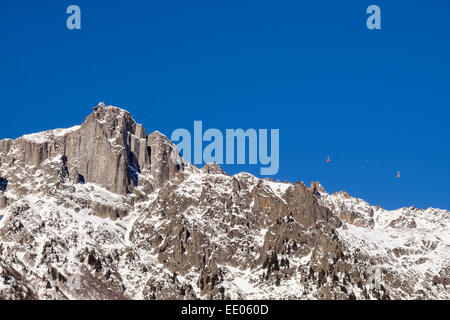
x=375, y=101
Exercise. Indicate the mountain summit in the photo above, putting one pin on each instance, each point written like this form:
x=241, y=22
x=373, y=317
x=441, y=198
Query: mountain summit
x=105, y=211
x=108, y=149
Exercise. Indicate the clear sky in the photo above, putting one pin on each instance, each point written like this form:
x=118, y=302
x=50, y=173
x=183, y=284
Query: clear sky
x=375, y=101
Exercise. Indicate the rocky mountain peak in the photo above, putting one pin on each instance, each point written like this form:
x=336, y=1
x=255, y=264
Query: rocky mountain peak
x=316, y=188
x=105, y=211
x=109, y=149
x=112, y=118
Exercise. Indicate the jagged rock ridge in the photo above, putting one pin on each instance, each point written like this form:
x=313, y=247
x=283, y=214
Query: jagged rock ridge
x=105, y=211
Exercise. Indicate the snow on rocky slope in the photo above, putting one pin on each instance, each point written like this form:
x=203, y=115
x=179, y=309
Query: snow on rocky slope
x=105, y=211
x=410, y=246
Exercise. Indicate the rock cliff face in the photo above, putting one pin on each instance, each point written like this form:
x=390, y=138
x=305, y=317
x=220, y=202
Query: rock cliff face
x=109, y=149
x=105, y=211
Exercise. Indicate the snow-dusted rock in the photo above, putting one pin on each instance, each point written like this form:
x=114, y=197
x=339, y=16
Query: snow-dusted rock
x=103, y=211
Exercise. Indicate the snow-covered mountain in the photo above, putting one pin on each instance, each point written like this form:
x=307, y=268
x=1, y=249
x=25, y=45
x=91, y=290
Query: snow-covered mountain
x=105, y=211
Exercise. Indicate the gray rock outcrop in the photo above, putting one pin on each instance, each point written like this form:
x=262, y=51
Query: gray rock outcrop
x=109, y=149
